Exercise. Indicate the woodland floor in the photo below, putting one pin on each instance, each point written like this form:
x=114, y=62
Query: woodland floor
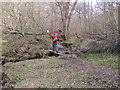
x=62, y=72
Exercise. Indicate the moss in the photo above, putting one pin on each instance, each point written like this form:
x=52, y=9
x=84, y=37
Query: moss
x=45, y=56
x=21, y=59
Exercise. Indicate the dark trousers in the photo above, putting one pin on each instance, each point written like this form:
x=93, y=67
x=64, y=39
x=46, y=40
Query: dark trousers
x=55, y=47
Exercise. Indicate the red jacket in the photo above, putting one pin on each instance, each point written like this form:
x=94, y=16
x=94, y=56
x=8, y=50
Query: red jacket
x=53, y=37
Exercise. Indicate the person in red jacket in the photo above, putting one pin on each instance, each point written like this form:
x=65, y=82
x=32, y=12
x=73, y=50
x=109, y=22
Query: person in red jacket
x=54, y=41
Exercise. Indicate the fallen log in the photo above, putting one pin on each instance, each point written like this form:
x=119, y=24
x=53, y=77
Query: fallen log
x=51, y=53
x=4, y=60
x=24, y=33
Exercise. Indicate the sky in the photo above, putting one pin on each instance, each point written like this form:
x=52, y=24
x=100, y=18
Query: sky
x=93, y=1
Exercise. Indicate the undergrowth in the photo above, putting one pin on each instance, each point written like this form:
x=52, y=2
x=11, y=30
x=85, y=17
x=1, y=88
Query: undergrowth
x=107, y=60
x=17, y=78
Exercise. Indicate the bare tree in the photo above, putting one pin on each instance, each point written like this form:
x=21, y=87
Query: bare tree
x=118, y=4
x=66, y=14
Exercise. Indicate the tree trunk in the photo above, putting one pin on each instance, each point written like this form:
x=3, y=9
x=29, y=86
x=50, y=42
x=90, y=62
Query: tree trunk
x=66, y=14
x=118, y=27
x=85, y=18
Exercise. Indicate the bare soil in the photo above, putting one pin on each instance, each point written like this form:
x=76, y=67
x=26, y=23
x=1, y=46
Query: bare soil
x=62, y=72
